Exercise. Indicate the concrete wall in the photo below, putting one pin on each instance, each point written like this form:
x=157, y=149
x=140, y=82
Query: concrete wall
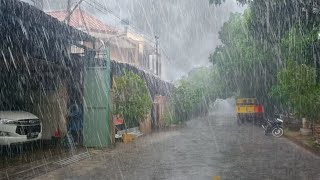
x=52, y=109
x=160, y=107
x=43, y=92
x=145, y=124
x=122, y=55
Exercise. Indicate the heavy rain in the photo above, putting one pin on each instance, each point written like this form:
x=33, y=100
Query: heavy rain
x=160, y=89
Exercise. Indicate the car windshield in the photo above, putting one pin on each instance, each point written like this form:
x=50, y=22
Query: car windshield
x=160, y=89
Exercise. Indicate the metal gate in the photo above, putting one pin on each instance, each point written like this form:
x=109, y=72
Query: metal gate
x=97, y=118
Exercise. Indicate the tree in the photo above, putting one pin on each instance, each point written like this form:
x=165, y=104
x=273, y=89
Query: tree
x=302, y=47
x=298, y=91
x=261, y=42
x=131, y=98
x=271, y=20
x=193, y=93
x=218, y=2
x=247, y=66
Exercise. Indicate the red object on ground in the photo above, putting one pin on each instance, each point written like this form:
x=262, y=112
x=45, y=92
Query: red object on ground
x=118, y=121
x=57, y=133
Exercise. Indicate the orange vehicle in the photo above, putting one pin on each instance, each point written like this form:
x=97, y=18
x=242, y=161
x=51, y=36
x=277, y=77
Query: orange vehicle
x=249, y=109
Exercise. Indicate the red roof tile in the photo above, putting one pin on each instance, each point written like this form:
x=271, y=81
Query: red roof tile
x=79, y=22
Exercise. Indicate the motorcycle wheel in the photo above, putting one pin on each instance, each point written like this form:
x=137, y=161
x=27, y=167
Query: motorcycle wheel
x=277, y=132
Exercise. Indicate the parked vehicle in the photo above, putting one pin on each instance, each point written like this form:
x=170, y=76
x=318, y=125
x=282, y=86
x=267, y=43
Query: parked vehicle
x=274, y=126
x=19, y=127
x=249, y=109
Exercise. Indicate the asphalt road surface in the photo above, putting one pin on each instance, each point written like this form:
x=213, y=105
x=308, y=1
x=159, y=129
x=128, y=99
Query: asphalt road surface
x=209, y=146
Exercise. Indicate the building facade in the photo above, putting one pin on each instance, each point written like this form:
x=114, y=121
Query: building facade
x=125, y=46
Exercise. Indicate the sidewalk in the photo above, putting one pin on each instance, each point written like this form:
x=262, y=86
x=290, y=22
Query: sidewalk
x=41, y=161
x=307, y=142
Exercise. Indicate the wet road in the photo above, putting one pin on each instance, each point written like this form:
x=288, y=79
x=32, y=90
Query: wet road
x=206, y=147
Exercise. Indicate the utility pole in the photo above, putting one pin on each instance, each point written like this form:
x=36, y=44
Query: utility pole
x=159, y=60
x=38, y=4
x=70, y=11
x=67, y=19
x=157, y=55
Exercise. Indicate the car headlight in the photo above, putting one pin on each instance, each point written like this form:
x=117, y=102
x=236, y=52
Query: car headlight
x=6, y=121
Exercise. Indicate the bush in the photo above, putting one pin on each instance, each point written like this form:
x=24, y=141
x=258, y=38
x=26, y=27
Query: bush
x=298, y=91
x=131, y=98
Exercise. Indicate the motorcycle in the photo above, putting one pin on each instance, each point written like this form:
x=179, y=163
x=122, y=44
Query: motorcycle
x=273, y=126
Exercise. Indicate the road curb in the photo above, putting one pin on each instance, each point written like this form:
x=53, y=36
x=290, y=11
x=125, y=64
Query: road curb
x=304, y=146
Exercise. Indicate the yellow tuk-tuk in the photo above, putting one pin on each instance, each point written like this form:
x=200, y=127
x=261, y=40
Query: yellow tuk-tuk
x=249, y=109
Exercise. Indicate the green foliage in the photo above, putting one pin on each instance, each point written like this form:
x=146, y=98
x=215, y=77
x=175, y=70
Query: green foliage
x=131, y=98
x=270, y=20
x=297, y=89
x=299, y=46
x=247, y=67
x=219, y=2
x=170, y=117
x=273, y=49
x=192, y=95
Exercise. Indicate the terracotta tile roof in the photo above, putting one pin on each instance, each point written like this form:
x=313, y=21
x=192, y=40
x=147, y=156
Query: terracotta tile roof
x=81, y=21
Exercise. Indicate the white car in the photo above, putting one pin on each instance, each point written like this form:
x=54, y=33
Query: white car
x=19, y=127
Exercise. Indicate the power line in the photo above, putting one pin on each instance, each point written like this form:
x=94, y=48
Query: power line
x=166, y=55
x=89, y=3
x=105, y=10
x=70, y=11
